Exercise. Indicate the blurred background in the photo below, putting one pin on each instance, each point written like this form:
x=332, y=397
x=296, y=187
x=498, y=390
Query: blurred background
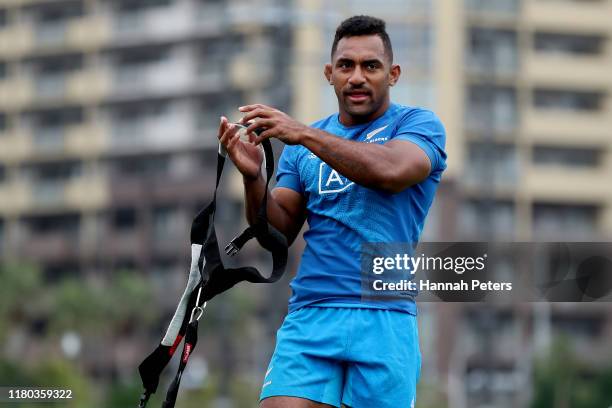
x=108, y=117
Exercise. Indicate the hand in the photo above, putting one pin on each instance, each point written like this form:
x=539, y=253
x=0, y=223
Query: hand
x=246, y=156
x=276, y=124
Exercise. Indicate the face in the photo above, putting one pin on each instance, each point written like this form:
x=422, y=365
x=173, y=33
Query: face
x=361, y=74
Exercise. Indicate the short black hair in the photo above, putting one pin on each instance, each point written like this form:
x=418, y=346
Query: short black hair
x=363, y=25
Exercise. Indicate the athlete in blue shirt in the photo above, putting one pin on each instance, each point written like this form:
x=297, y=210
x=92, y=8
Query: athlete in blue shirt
x=366, y=174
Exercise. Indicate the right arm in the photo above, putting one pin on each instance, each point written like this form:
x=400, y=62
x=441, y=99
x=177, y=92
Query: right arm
x=286, y=208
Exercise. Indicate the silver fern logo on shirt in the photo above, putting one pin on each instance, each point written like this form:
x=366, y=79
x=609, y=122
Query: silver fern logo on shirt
x=369, y=136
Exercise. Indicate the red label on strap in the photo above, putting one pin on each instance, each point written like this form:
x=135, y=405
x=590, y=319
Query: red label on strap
x=186, y=352
x=175, y=345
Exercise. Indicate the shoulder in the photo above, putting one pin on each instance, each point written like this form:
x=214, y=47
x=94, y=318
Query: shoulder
x=324, y=123
x=408, y=115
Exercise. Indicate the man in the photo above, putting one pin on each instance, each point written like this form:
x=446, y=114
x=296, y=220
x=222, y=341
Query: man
x=366, y=174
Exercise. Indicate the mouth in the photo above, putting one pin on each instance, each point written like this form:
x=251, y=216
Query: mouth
x=358, y=96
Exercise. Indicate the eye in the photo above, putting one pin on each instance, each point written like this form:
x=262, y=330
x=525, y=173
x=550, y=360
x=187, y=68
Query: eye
x=344, y=65
x=372, y=66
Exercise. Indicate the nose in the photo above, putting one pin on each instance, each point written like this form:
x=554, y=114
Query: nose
x=356, y=77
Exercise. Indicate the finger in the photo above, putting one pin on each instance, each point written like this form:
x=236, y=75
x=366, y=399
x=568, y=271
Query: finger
x=257, y=113
x=222, y=126
x=232, y=142
x=230, y=131
x=264, y=135
x=248, y=108
x=259, y=123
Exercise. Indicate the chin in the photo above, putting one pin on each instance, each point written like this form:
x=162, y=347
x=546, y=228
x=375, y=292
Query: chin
x=360, y=110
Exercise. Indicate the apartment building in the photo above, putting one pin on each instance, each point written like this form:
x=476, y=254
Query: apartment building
x=108, y=118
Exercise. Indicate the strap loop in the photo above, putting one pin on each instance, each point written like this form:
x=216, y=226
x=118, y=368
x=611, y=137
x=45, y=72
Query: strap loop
x=214, y=278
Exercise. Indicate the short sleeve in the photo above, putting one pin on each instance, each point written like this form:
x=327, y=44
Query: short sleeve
x=423, y=128
x=287, y=175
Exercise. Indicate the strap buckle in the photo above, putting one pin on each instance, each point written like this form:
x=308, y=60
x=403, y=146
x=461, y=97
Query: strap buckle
x=197, y=309
x=231, y=249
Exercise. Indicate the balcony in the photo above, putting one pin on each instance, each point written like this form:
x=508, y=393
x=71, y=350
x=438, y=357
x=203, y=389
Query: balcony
x=16, y=41
x=49, y=140
x=149, y=22
x=553, y=184
x=14, y=146
x=13, y=197
x=170, y=76
x=567, y=70
x=87, y=193
x=85, y=140
x=81, y=193
x=89, y=32
x=16, y=93
x=568, y=127
x=55, y=246
x=587, y=16
x=87, y=86
x=493, y=12
x=251, y=69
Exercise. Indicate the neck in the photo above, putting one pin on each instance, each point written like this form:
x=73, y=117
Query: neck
x=352, y=120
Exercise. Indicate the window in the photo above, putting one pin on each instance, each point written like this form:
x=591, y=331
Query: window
x=211, y=107
x=3, y=122
x=564, y=221
x=51, y=73
x=1, y=236
x=390, y=7
x=141, y=166
x=50, y=125
x=53, y=171
x=139, y=5
x=49, y=180
x=3, y=70
x=51, y=21
x=58, y=117
x=2, y=173
x=3, y=17
x=479, y=218
x=561, y=43
x=132, y=65
x=492, y=51
x=167, y=223
x=132, y=120
x=490, y=165
x=124, y=219
x=566, y=156
x=491, y=108
x=49, y=224
x=215, y=55
x=130, y=15
x=412, y=44
x=568, y=99
x=501, y=7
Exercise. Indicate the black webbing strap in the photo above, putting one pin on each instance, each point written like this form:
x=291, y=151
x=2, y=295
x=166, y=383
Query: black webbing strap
x=207, y=278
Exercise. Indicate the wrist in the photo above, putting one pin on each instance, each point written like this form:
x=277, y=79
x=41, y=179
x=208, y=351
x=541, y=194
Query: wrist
x=250, y=180
x=307, y=136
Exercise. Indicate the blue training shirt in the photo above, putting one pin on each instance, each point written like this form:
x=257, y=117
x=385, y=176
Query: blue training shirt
x=342, y=215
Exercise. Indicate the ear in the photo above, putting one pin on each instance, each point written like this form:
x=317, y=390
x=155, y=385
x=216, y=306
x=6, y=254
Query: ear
x=327, y=71
x=394, y=74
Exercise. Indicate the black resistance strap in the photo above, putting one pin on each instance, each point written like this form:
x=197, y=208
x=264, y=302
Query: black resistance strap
x=207, y=278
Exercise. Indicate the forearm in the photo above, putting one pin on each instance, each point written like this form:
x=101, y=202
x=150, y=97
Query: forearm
x=254, y=190
x=368, y=164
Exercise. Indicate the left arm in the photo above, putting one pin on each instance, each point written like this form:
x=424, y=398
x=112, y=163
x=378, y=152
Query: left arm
x=391, y=167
